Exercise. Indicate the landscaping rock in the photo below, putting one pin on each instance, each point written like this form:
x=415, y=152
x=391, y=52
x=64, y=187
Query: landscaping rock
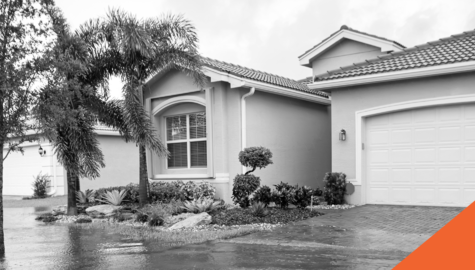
x=175, y=219
x=102, y=211
x=46, y=218
x=195, y=220
x=60, y=210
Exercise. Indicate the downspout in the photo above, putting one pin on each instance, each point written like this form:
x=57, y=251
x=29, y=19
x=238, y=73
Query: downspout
x=243, y=121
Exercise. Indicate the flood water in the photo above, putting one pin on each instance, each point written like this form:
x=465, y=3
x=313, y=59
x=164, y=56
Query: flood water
x=35, y=245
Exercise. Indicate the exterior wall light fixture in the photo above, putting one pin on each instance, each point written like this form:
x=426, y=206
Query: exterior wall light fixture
x=41, y=151
x=342, y=135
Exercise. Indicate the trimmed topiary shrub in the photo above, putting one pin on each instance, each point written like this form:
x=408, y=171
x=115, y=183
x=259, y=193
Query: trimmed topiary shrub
x=255, y=157
x=263, y=195
x=243, y=187
x=335, y=188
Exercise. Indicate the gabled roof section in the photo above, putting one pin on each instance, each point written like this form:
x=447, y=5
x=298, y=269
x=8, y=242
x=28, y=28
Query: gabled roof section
x=346, y=32
x=260, y=76
x=455, y=49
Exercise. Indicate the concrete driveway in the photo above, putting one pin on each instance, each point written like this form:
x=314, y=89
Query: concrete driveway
x=365, y=237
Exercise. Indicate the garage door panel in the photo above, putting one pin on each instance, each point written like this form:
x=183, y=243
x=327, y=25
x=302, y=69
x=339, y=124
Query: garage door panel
x=468, y=196
x=450, y=154
x=379, y=195
x=401, y=175
x=426, y=196
x=425, y=155
x=470, y=154
x=469, y=175
x=427, y=159
x=425, y=135
x=450, y=134
x=401, y=195
x=425, y=175
x=401, y=136
x=401, y=156
x=470, y=133
x=450, y=196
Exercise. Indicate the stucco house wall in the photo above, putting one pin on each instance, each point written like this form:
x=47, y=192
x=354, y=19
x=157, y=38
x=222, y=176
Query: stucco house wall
x=345, y=52
x=267, y=115
x=298, y=134
x=122, y=164
x=347, y=101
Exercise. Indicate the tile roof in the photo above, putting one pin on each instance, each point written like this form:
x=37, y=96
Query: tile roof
x=454, y=49
x=260, y=76
x=306, y=81
x=344, y=27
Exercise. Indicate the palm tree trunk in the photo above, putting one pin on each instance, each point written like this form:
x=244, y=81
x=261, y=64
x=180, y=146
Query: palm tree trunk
x=143, y=177
x=72, y=180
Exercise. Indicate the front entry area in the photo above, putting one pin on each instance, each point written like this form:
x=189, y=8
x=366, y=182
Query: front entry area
x=421, y=156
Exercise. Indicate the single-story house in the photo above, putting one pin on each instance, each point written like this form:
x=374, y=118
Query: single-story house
x=399, y=122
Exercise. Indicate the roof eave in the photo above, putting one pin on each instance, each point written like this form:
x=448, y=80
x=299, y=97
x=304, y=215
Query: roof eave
x=235, y=82
x=330, y=85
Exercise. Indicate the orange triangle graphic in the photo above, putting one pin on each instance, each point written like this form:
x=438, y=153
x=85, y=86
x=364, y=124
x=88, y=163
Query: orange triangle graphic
x=452, y=247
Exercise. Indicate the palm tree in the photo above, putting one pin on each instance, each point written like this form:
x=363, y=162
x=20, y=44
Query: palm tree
x=76, y=94
x=144, y=48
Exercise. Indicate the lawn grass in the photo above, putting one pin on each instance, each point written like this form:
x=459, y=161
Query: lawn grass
x=17, y=202
x=169, y=238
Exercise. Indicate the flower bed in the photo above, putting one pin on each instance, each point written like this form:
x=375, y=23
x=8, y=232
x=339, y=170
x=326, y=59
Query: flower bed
x=240, y=216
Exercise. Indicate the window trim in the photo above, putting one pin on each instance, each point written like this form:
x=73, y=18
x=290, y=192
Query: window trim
x=188, y=140
x=206, y=102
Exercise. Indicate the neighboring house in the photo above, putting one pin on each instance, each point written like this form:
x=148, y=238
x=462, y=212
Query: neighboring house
x=121, y=158
x=206, y=128
x=408, y=114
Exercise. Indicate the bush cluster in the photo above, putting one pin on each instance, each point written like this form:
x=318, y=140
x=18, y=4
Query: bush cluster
x=335, y=188
x=165, y=192
x=240, y=216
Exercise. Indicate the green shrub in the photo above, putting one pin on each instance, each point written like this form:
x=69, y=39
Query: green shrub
x=40, y=185
x=317, y=192
x=240, y=216
x=335, y=188
x=201, y=205
x=259, y=209
x=255, y=157
x=114, y=197
x=283, y=194
x=263, y=195
x=243, y=187
x=302, y=196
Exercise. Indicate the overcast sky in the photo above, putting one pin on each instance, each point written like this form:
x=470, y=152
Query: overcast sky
x=269, y=35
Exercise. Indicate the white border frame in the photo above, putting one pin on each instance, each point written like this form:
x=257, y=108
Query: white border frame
x=207, y=103
x=360, y=127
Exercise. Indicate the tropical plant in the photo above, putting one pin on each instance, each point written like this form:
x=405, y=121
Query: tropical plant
x=113, y=197
x=201, y=205
x=263, y=195
x=40, y=185
x=79, y=66
x=243, y=187
x=283, y=194
x=259, y=209
x=335, y=188
x=255, y=157
x=85, y=197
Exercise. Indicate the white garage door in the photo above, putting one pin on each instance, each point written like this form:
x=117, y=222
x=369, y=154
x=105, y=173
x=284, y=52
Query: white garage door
x=422, y=157
x=19, y=170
